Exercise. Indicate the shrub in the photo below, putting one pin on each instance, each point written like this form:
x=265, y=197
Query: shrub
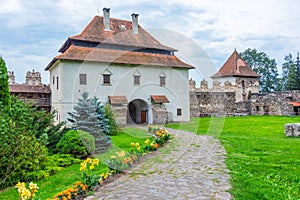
x=71, y=143
x=55, y=133
x=54, y=164
x=114, y=128
x=21, y=152
x=88, y=141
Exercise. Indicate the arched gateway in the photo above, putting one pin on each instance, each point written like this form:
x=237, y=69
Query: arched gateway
x=138, y=112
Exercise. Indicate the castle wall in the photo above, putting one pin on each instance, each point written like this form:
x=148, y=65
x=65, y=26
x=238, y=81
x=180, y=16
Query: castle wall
x=212, y=102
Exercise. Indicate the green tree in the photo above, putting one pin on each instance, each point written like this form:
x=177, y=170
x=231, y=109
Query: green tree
x=265, y=67
x=4, y=87
x=89, y=116
x=291, y=73
x=21, y=151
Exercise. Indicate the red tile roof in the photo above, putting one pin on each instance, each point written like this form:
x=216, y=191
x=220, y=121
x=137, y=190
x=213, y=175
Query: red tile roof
x=23, y=88
x=295, y=104
x=159, y=99
x=120, y=34
x=76, y=53
x=235, y=66
x=117, y=100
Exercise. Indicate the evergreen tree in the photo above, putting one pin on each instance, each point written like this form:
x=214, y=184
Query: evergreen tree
x=4, y=87
x=89, y=117
x=291, y=73
x=265, y=67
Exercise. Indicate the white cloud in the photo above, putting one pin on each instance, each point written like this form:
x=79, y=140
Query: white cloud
x=32, y=32
x=10, y=6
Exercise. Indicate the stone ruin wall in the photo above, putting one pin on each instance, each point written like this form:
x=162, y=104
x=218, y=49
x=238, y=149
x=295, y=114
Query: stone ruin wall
x=205, y=102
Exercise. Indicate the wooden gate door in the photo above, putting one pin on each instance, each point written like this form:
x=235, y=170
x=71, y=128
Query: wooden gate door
x=143, y=116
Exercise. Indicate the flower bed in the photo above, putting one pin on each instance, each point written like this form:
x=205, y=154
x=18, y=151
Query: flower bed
x=117, y=163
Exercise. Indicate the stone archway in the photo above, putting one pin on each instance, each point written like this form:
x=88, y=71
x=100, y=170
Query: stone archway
x=138, y=112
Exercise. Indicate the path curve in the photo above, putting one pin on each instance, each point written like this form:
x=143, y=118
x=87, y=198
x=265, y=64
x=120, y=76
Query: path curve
x=190, y=167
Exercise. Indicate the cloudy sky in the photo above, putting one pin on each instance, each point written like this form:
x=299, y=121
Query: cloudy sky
x=205, y=32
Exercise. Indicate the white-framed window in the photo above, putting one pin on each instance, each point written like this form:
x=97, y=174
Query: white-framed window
x=106, y=77
x=136, y=78
x=179, y=111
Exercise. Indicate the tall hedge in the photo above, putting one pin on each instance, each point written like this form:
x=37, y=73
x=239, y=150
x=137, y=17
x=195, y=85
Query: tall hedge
x=4, y=87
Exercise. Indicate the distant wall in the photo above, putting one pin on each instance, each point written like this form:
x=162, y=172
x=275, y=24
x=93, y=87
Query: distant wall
x=275, y=103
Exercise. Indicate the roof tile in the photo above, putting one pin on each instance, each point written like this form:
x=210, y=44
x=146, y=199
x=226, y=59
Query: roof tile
x=235, y=66
x=77, y=53
x=23, y=88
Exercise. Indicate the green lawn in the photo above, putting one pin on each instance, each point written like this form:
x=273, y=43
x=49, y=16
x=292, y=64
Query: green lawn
x=68, y=176
x=264, y=164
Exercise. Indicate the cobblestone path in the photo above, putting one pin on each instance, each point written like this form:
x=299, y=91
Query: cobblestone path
x=190, y=167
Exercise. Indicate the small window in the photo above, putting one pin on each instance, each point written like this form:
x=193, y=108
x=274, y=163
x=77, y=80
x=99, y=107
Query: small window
x=162, y=80
x=82, y=79
x=53, y=80
x=179, y=110
x=106, y=78
x=136, y=80
x=57, y=82
x=243, y=84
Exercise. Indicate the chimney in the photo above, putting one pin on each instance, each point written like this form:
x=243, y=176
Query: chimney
x=106, y=18
x=135, y=23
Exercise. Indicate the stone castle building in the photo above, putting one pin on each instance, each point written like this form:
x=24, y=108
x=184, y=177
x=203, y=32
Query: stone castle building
x=235, y=91
x=33, y=90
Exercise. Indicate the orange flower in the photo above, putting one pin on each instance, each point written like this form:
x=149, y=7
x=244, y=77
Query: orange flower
x=155, y=145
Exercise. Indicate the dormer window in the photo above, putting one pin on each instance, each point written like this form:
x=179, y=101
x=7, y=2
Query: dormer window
x=136, y=78
x=106, y=77
x=162, y=79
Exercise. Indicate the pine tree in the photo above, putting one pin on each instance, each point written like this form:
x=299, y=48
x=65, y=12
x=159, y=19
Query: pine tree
x=88, y=117
x=4, y=87
x=291, y=73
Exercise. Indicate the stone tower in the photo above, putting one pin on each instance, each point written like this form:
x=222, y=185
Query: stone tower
x=237, y=76
x=33, y=78
x=11, y=78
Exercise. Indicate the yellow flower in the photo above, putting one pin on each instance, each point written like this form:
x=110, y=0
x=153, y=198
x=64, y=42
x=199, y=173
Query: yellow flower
x=132, y=144
x=113, y=157
x=92, y=167
x=95, y=161
x=158, y=133
x=100, y=181
x=26, y=193
x=33, y=186
x=82, y=166
x=105, y=176
x=88, y=160
x=137, y=144
x=138, y=148
x=147, y=141
x=121, y=154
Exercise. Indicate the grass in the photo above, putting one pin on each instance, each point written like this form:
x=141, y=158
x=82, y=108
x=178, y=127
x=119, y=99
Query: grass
x=264, y=164
x=69, y=175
